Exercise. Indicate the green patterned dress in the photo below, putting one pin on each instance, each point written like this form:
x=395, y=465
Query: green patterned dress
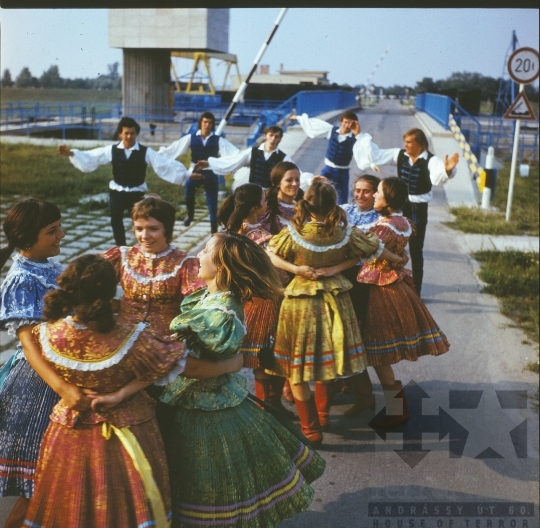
x=231, y=463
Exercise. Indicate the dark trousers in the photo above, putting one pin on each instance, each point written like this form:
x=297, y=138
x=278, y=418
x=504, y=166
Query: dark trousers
x=340, y=179
x=211, y=188
x=120, y=201
x=418, y=213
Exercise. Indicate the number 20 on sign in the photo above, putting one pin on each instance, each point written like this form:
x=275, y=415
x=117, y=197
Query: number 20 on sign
x=524, y=65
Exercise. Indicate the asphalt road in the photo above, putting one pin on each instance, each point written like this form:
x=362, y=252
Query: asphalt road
x=468, y=457
x=472, y=439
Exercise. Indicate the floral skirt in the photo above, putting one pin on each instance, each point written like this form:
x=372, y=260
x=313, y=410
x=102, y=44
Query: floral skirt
x=261, y=319
x=26, y=402
x=318, y=338
x=239, y=468
x=399, y=326
x=86, y=481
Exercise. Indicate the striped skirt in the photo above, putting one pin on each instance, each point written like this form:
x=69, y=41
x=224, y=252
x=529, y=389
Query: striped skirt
x=261, y=319
x=237, y=467
x=399, y=326
x=26, y=402
x=86, y=481
x=305, y=348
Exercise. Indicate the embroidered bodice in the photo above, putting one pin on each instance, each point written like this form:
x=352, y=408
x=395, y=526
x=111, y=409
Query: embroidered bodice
x=315, y=246
x=275, y=224
x=394, y=231
x=104, y=362
x=153, y=285
x=361, y=219
x=212, y=326
x=22, y=292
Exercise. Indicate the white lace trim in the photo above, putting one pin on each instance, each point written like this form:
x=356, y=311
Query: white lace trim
x=79, y=326
x=157, y=255
x=179, y=367
x=318, y=249
x=141, y=279
x=286, y=205
x=406, y=233
x=376, y=254
x=13, y=326
x=88, y=366
x=51, y=263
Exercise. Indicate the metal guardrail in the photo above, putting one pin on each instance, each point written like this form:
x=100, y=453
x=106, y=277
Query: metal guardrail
x=310, y=102
x=100, y=120
x=480, y=132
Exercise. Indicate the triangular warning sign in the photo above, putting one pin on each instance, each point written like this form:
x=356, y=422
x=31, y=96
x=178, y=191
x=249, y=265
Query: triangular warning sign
x=520, y=109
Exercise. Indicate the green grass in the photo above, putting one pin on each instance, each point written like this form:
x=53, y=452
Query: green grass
x=513, y=277
x=524, y=214
x=58, y=95
x=32, y=170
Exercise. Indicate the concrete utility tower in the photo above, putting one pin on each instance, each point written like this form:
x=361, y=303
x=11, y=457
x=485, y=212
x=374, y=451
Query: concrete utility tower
x=148, y=37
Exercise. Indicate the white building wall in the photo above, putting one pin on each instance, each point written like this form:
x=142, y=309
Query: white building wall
x=178, y=29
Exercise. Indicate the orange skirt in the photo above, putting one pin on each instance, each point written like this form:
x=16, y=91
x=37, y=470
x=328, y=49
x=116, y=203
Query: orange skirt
x=261, y=321
x=85, y=481
x=399, y=326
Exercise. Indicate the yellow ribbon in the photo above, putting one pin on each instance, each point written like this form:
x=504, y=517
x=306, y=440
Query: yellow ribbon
x=132, y=446
x=337, y=332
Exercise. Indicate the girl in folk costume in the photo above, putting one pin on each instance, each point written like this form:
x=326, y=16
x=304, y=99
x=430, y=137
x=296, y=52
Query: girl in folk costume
x=362, y=215
x=105, y=466
x=241, y=213
x=398, y=325
x=33, y=227
x=231, y=463
x=154, y=276
x=318, y=338
x=281, y=196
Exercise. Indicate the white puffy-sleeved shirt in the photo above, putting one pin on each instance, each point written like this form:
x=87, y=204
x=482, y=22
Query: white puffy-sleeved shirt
x=167, y=169
x=368, y=155
x=228, y=164
x=182, y=145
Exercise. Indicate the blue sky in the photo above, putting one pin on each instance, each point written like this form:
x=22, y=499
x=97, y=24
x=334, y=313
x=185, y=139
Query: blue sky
x=347, y=43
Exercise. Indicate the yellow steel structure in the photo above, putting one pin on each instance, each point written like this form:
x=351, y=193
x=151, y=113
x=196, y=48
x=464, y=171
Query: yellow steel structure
x=204, y=57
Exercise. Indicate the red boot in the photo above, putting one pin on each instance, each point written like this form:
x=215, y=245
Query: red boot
x=309, y=421
x=323, y=401
x=396, y=404
x=363, y=393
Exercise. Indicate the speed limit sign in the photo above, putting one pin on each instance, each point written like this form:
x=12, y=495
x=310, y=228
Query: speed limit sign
x=524, y=65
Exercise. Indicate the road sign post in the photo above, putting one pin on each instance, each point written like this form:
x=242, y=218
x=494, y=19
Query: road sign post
x=524, y=68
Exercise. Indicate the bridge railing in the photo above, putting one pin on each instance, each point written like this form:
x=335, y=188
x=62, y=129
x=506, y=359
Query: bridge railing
x=310, y=102
x=480, y=132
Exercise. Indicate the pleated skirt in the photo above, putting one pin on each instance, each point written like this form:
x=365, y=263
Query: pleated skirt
x=304, y=348
x=399, y=326
x=26, y=402
x=261, y=319
x=86, y=481
x=238, y=468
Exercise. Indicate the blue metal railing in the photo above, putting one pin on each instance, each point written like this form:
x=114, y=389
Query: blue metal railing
x=100, y=119
x=480, y=132
x=310, y=102
x=439, y=107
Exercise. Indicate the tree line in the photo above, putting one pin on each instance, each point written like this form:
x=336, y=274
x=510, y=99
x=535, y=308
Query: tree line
x=460, y=81
x=51, y=78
